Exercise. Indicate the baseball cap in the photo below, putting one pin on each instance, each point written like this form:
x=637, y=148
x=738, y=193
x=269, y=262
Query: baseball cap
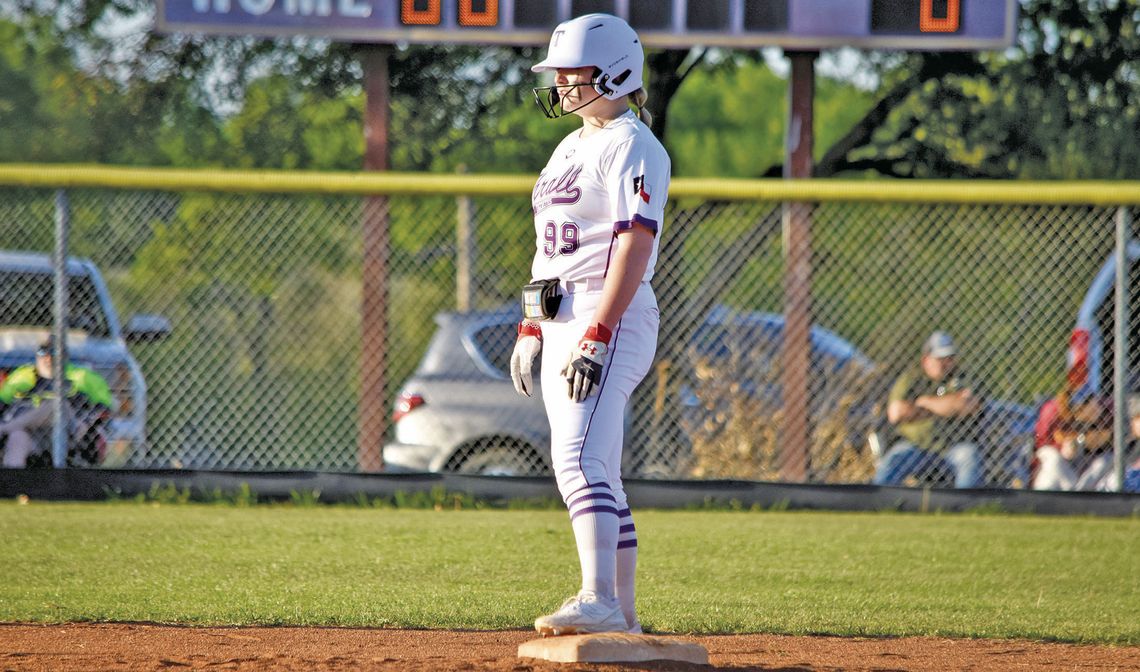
x=47, y=346
x=939, y=345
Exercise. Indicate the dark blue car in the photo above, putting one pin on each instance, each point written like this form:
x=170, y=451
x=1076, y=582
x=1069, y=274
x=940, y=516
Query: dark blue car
x=734, y=365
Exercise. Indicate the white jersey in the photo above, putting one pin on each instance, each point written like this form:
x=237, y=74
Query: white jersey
x=592, y=189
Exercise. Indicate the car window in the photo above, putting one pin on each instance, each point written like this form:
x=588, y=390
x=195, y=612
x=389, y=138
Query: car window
x=26, y=300
x=752, y=351
x=496, y=342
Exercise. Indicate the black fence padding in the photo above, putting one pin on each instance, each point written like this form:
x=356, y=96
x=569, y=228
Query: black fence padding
x=104, y=484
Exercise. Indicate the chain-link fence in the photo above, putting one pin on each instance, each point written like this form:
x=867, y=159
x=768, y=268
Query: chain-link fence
x=320, y=331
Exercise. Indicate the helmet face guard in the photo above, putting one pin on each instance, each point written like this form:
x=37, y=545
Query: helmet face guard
x=550, y=102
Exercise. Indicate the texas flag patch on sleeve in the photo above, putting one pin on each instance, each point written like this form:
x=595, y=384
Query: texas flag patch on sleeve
x=641, y=188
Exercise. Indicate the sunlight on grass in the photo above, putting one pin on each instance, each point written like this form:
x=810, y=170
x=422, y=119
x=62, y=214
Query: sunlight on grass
x=1059, y=578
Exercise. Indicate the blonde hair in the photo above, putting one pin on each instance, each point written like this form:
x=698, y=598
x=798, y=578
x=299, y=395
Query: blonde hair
x=638, y=99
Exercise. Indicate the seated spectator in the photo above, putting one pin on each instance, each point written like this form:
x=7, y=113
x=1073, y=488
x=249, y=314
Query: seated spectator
x=936, y=410
x=1074, y=442
x=27, y=404
x=1101, y=472
x=1075, y=445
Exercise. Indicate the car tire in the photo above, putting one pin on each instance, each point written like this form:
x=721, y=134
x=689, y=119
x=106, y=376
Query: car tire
x=503, y=460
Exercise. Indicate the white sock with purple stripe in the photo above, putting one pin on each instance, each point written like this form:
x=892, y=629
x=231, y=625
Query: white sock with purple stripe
x=626, y=564
x=593, y=515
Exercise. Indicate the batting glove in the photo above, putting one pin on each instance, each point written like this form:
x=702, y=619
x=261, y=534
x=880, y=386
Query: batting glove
x=584, y=371
x=527, y=346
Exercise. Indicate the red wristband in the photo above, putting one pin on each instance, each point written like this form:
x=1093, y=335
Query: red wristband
x=598, y=332
x=528, y=328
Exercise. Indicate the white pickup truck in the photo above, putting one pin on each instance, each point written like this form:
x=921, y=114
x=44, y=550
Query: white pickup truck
x=95, y=338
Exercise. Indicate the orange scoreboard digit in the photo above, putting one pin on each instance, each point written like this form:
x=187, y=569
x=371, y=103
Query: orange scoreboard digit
x=470, y=13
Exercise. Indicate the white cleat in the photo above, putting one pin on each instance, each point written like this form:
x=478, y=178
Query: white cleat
x=635, y=629
x=584, y=613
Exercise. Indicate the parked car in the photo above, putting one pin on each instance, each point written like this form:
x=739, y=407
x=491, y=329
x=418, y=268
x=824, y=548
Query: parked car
x=1092, y=340
x=749, y=344
x=95, y=337
x=459, y=410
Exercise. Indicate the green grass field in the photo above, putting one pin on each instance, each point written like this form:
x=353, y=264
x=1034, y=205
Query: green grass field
x=972, y=575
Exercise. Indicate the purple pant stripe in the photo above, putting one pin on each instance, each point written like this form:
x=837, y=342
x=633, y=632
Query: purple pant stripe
x=627, y=543
x=593, y=509
x=625, y=513
x=593, y=495
x=590, y=485
x=626, y=528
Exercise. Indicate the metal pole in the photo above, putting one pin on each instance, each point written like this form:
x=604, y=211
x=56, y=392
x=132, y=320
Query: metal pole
x=796, y=442
x=1121, y=424
x=465, y=251
x=59, y=329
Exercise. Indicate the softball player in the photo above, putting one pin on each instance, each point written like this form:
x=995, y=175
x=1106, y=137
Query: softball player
x=598, y=208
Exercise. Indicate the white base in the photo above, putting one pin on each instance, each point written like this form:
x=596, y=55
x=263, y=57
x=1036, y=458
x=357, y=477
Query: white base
x=613, y=647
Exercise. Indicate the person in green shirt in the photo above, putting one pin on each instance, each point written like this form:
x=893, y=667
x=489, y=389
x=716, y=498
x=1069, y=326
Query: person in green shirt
x=27, y=402
x=936, y=410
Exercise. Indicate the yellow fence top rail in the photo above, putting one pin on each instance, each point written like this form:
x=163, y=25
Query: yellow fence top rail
x=1101, y=193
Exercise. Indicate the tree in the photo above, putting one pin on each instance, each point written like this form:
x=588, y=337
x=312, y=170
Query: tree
x=1056, y=105
x=935, y=115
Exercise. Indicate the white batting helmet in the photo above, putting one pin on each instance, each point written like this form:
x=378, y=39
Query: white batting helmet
x=603, y=41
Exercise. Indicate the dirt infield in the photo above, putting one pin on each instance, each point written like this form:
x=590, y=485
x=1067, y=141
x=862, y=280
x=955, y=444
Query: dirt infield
x=135, y=646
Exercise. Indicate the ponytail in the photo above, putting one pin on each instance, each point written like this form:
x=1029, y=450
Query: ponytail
x=638, y=99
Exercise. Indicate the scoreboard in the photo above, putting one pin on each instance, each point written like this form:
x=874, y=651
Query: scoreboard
x=792, y=24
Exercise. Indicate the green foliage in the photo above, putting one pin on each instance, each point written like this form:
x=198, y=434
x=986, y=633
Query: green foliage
x=437, y=498
x=281, y=126
x=1057, y=105
x=1024, y=262
x=1070, y=95
x=520, y=139
x=165, y=494
x=53, y=110
x=728, y=122
x=47, y=108
x=867, y=574
x=252, y=299
x=304, y=497
x=1018, y=270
